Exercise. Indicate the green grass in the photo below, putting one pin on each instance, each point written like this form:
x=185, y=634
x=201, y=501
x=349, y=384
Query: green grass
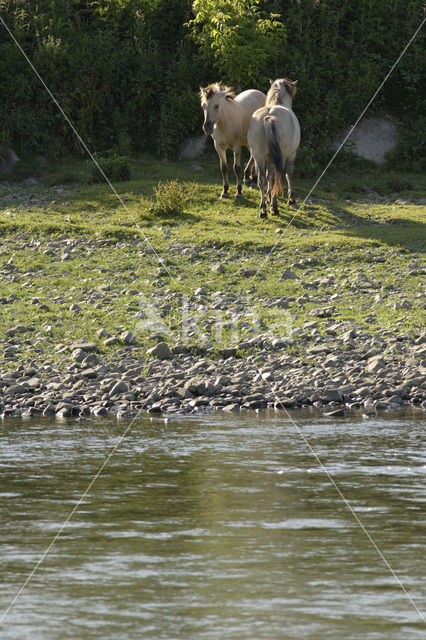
x=336, y=235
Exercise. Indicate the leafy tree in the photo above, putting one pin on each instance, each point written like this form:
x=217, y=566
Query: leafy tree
x=239, y=38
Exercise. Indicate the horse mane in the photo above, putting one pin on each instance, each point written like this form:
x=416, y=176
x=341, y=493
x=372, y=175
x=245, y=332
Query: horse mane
x=274, y=94
x=217, y=87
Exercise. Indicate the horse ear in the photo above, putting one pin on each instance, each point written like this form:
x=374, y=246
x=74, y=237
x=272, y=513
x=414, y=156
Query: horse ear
x=291, y=88
x=271, y=82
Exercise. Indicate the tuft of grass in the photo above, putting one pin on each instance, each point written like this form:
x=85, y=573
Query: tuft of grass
x=172, y=197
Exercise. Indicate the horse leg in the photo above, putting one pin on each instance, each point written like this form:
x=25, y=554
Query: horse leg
x=261, y=181
x=237, y=171
x=247, y=171
x=224, y=168
x=289, y=176
x=272, y=199
x=250, y=173
x=269, y=178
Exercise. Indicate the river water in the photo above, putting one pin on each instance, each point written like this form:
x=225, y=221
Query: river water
x=214, y=527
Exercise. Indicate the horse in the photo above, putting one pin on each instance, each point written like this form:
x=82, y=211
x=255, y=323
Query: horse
x=227, y=119
x=274, y=137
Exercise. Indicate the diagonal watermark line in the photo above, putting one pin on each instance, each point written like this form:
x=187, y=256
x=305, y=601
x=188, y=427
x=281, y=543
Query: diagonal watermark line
x=66, y=521
x=160, y=260
x=351, y=510
x=340, y=147
x=90, y=154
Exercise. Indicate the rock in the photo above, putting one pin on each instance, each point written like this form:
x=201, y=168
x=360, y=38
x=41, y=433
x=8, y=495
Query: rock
x=16, y=389
x=231, y=407
x=373, y=137
x=118, y=388
x=382, y=404
x=288, y=275
x=337, y=413
x=89, y=374
x=99, y=411
x=128, y=337
x=33, y=382
x=50, y=410
x=64, y=410
x=89, y=347
x=11, y=351
x=375, y=364
x=193, y=147
x=330, y=395
x=78, y=355
x=160, y=351
x=110, y=341
x=322, y=312
x=8, y=160
x=318, y=349
x=18, y=329
x=155, y=408
x=287, y=403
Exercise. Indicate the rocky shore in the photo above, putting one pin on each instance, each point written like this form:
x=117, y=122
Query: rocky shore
x=337, y=371
x=94, y=326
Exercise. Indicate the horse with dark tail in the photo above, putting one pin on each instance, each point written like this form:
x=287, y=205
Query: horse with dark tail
x=274, y=137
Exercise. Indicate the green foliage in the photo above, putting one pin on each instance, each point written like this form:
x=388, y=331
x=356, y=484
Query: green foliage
x=340, y=51
x=127, y=72
x=172, y=197
x=115, y=167
x=238, y=37
x=120, y=69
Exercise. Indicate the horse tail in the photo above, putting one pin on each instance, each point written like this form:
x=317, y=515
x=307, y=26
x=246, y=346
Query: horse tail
x=274, y=154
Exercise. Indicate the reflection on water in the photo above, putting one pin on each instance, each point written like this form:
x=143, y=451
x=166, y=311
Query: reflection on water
x=213, y=527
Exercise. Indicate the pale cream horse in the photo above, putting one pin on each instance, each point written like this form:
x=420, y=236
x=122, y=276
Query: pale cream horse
x=227, y=119
x=274, y=137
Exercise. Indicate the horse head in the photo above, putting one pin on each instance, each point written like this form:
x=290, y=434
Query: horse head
x=211, y=100
x=281, y=91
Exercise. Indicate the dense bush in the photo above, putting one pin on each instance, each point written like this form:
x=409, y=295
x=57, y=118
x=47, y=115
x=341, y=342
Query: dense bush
x=115, y=167
x=118, y=68
x=340, y=51
x=127, y=72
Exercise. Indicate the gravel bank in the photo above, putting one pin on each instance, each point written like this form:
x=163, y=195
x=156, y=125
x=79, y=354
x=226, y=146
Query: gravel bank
x=349, y=369
x=295, y=346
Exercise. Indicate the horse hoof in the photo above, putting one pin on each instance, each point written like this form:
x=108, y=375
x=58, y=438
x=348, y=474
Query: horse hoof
x=238, y=196
x=223, y=196
x=292, y=203
x=263, y=214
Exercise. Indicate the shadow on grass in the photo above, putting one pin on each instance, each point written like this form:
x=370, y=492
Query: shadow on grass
x=405, y=234
x=168, y=220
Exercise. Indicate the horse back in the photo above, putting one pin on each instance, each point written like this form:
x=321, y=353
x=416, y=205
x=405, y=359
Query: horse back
x=248, y=102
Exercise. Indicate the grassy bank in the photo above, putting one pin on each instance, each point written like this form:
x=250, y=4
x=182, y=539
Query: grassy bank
x=75, y=261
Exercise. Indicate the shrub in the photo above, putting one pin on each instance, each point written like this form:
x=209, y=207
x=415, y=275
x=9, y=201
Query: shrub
x=170, y=198
x=115, y=167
